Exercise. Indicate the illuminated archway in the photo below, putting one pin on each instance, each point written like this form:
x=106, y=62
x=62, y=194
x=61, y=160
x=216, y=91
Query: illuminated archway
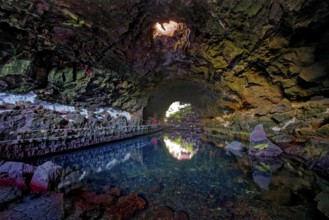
x=197, y=94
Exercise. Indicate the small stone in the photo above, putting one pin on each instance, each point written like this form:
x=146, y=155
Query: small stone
x=258, y=135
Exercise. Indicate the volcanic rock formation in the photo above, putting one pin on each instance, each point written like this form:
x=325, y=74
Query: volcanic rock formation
x=239, y=63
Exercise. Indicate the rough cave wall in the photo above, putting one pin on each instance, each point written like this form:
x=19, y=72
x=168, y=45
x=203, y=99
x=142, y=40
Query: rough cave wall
x=267, y=61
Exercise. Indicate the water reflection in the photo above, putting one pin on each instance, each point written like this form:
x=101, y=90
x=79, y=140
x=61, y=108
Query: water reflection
x=213, y=185
x=78, y=165
x=180, y=147
x=263, y=169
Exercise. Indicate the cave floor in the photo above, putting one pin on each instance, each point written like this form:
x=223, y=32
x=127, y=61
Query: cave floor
x=180, y=176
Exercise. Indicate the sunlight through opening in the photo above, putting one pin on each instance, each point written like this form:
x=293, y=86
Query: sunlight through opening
x=176, y=107
x=167, y=29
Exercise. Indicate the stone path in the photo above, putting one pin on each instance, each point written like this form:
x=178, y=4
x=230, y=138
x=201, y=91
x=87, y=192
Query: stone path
x=59, y=140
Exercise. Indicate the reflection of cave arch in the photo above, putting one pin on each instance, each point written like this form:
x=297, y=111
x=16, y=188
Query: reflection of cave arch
x=195, y=93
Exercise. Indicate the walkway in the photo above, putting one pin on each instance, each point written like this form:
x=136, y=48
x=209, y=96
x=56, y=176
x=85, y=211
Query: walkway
x=42, y=142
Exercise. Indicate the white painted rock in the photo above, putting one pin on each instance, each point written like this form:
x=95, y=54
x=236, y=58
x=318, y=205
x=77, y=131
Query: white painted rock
x=44, y=176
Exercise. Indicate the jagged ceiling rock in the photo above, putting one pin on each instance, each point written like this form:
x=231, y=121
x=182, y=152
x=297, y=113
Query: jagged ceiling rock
x=251, y=52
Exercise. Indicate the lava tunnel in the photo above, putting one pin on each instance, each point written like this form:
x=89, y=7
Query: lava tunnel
x=197, y=94
x=164, y=109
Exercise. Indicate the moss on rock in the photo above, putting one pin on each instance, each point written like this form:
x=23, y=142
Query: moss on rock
x=16, y=68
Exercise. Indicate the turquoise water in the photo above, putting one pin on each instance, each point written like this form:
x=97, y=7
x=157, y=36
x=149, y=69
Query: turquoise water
x=184, y=173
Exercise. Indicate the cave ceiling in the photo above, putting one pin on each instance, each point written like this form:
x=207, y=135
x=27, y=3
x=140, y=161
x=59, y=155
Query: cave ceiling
x=110, y=53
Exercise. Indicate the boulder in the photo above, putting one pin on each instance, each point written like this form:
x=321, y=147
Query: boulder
x=45, y=176
x=267, y=149
x=15, y=173
x=258, y=135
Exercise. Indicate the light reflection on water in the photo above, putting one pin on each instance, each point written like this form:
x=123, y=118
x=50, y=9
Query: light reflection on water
x=185, y=173
x=180, y=147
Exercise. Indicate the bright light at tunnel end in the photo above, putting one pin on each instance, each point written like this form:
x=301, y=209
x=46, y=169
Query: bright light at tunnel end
x=175, y=107
x=167, y=29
